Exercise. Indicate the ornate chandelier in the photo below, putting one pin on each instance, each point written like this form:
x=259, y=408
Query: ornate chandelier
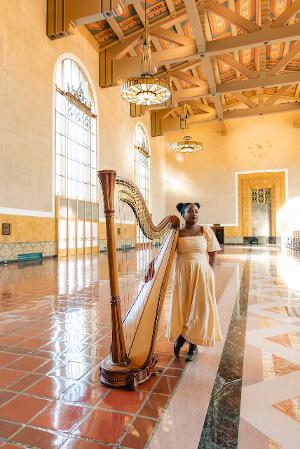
x=187, y=145
x=146, y=90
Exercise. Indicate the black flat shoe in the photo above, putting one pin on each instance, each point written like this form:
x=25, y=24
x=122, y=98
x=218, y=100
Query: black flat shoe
x=193, y=351
x=179, y=342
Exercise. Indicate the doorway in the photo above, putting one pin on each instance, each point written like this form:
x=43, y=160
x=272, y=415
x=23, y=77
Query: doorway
x=261, y=215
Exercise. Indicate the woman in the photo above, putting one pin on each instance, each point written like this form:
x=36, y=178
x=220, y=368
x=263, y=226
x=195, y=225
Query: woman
x=193, y=315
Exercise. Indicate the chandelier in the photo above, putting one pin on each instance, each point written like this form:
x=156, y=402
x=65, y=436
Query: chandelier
x=187, y=145
x=146, y=90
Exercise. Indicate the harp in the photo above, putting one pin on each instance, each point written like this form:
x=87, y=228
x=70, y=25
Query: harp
x=131, y=359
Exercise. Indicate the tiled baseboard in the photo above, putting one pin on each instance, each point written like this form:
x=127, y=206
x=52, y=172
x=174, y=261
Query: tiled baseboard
x=233, y=240
x=10, y=251
x=249, y=240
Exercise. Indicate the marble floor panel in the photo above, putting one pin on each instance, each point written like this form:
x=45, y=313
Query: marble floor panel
x=270, y=394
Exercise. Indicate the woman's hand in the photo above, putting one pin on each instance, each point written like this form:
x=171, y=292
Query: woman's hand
x=150, y=272
x=212, y=259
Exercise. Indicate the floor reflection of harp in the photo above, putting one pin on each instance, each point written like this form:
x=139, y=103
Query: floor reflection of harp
x=133, y=339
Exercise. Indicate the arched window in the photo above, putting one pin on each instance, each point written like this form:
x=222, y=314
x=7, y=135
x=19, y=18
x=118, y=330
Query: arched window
x=142, y=163
x=77, y=209
x=75, y=133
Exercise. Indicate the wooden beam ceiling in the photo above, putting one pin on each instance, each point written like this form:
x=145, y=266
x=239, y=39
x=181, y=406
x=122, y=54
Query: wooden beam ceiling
x=189, y=60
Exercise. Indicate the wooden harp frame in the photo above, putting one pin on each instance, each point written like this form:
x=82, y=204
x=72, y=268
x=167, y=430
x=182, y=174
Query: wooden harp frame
x=118, y=370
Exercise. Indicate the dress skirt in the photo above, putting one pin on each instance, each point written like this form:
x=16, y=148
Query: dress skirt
x=194, y=313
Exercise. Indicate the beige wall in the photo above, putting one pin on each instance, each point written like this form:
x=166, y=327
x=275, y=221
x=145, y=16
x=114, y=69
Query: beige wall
x=209, y=176
x=27, y=65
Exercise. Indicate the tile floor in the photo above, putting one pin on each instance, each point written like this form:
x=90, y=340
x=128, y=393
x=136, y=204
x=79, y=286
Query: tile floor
x=55, y=329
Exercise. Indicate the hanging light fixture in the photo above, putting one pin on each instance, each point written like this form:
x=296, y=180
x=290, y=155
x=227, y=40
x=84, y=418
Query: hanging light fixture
x=146, y=90
x=187, y=145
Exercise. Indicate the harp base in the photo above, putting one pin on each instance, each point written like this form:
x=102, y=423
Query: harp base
x=125, y=376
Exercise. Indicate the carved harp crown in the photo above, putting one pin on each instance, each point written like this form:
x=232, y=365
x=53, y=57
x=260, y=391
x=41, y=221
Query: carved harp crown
x=133, y=338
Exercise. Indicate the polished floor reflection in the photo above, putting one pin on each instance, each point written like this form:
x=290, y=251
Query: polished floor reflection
x=55, y=329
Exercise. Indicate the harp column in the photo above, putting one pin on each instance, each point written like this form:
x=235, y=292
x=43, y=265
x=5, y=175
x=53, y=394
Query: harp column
x=118, y=352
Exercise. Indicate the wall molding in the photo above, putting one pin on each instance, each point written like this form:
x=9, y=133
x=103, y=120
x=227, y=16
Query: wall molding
x=26, y=212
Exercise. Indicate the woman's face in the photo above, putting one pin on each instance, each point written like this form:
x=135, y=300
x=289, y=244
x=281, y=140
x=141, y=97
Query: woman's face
x=191, y=214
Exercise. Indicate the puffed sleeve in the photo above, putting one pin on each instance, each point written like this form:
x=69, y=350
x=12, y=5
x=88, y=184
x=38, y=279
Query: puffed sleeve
x=212, y=242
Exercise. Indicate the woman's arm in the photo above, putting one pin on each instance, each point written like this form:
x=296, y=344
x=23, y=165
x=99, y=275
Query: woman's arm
x=212, y=259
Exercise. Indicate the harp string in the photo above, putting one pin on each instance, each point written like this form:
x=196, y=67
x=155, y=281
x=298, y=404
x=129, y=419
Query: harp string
x=134, y=253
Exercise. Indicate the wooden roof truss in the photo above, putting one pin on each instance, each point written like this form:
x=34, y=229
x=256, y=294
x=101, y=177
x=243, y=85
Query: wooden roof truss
x=224, y=59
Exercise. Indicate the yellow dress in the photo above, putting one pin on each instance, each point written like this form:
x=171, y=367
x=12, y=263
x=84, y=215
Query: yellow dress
x=193, y=311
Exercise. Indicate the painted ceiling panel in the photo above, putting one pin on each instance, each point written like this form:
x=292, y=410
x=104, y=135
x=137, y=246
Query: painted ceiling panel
x=247, y=9
x=275, y=51
x=247, y=56
x=219, y=27
x=278, y=7
x=155, y=9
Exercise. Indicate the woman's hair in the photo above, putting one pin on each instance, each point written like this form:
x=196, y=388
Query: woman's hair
x=182, y=207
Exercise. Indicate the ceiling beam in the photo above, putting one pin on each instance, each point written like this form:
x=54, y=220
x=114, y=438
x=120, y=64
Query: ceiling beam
x=140, y=12
x=286, y=15
x=229, y=60
x=199, y=34
x=181, y=67
x=214, y=48
x=61, y=15
x=81, y=13
x=173, y=124
x=285, y=60
x=264, y=21
x=190, y=110
x=189, y=78
x=115, y=27
x=172, y=36
x=223, y=128
x=239, y=86
x=276, y=96
x=218, y=106
x=268, y=81
x=192, y=92
x=239, y=113
x=246, y=100
x=252, y=40
x=119, y=51
x=158, y=47
x=231, y=5
x=167, y=22
x=194, y=18
x=196, y=118
x=260, y=97
x=171, y=7
x=233, y=17
x=130, y=66
x=203, y=107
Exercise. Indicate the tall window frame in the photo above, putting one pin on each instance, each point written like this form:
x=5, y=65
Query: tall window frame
x=75, y=133
x=142, y=163
x=77, y=205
